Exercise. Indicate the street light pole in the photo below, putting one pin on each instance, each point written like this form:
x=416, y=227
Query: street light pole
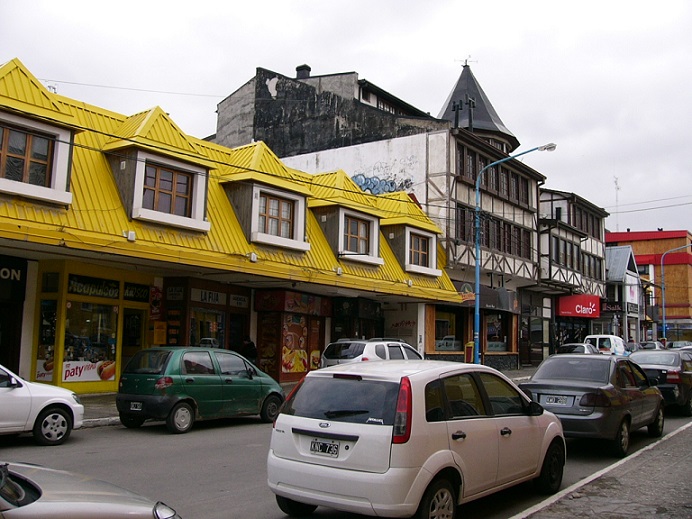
x=663, y=287
x=477, y=291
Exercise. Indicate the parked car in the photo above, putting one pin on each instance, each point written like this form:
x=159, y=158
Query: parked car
x=672, y=370
x=32, y=491
x=576, y=348
x=355, y=350
x=607, y=343
x=183, y=384
x=673, y=345
x=651, y=345
x=50, y=413
x=399, y=438
x=598, y=396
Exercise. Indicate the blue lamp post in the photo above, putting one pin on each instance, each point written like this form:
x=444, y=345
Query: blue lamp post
x=663, y=287
x=477, y=291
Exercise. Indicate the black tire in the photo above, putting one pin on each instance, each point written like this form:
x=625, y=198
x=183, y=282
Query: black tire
x=181, y=418
x=686, y=408
x=270, y=408
x=439, y=501
x=131, y=421
x=53, y=426
x=621, y=443
x=655, y=428
x=294, y=508
x=550, y=478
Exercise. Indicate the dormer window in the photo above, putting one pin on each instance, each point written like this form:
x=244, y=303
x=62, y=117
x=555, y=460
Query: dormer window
x=422, y=252
x=278, y=218
x=359, y=237
x=170, y=192
x=34, y=159
x=167, y=190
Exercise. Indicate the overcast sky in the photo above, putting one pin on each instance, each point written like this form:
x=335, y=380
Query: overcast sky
x=608, y=81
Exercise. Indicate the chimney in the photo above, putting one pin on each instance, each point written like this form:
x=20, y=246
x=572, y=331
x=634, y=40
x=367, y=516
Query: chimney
x=303, y=71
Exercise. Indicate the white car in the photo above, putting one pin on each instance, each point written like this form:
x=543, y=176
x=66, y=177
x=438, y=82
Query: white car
x=49, y=412
x=408, y=438
x=344, y=351
x=607, y=344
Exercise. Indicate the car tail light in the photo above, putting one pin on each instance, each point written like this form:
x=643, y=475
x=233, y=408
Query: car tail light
x=163, y=383
x=402, y=418
x=673, y=377
x=594, y=400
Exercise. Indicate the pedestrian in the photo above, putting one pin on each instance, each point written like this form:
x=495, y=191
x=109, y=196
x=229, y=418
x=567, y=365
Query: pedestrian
x=249, y=350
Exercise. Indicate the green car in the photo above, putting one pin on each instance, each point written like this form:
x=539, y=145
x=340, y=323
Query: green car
x=184, y=384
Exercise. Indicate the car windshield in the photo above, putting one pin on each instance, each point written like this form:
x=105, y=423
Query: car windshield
x=349, y=399
x=570, y=348
x=344, y=350
x=149, y=362
x=655, y=358
x=590, y=368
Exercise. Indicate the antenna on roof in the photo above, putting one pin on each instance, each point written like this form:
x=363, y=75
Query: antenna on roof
x=617, y=188
x=467, y=60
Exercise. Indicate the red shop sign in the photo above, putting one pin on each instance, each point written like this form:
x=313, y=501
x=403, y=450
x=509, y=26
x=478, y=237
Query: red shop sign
x=579, y=306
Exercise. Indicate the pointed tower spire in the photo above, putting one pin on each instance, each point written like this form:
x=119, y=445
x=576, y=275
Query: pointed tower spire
x=471, y=106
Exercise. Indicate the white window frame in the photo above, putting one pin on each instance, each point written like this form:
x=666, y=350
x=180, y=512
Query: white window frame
x=57, y=192
x=196, y=221
x=300, y=207
x=372, y=257
x=429, y=270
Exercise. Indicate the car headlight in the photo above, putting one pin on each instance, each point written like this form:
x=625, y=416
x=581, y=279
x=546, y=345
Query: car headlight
x=163, y=511
x=76, y=398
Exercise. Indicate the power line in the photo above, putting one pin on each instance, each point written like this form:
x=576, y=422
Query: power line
x=131, y=89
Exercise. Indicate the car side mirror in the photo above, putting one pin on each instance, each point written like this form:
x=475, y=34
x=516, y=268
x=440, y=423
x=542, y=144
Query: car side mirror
x=14, y=382
x=535, y=409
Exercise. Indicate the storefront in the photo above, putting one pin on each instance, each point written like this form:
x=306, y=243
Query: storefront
x=88, y=324
x=574, y=318
x=290, y=332
x=355, y=317
x=13, y=278
x=204, y=313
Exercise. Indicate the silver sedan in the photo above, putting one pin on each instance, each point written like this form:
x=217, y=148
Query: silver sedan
x=598, y=396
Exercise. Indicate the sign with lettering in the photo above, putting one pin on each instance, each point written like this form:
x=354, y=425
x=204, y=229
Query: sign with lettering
x=207, y=296
x=581, y=305
x=136, y=292
x=88, y=286
x=12, y=278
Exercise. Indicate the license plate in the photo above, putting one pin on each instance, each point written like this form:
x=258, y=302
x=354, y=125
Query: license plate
x=135, y=406
x=556, y=400
x=324, y=448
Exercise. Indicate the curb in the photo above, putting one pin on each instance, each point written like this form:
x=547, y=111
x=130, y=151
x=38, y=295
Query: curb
x=98, y=422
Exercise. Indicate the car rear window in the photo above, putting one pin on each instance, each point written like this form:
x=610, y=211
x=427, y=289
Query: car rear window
x=570, y=348
x=149, y=362
x=662, y=359
x=344, y=350
x=348, y=399
x=589, y=368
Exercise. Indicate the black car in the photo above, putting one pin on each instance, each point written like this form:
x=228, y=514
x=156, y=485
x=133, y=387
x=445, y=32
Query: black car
x=598, y=396
x=672, y=370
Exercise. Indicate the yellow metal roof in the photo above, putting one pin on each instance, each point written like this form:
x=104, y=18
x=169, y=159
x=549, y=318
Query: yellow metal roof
x=96, y=221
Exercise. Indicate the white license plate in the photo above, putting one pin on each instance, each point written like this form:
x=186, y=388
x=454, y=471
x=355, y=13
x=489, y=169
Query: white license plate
x=135, y=406
x=556, y=400
x=325, y=448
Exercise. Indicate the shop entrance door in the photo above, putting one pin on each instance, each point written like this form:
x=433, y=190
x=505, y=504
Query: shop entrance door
x=133, y=333
x=10, y=334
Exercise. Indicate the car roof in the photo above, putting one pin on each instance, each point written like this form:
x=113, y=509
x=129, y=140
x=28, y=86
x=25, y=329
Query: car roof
x=395, y=369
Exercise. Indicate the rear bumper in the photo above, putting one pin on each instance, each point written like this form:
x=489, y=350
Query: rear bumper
x=672, y=394
x=153, y=407
x=595, y=425
x=395, y=493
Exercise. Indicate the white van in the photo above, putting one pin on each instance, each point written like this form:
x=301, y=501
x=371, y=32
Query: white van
x=607, y=344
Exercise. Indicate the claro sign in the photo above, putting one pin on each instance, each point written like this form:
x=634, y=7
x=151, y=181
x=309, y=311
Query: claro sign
x=579, y=306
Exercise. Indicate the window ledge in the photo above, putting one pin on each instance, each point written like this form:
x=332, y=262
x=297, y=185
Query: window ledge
x=170, y=219
x=423, y=270
x=277, y=241
x=44, y=194
x=360, y=258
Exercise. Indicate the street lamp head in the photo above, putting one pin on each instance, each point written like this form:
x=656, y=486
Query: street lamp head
x=548, y=147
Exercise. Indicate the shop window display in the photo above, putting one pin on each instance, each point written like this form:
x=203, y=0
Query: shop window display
x=90, y=342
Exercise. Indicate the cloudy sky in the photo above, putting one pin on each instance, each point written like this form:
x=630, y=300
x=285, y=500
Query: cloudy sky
x=608, y=81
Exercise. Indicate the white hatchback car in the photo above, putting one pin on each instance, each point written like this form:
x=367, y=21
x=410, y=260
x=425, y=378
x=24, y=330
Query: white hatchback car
x=49, y=412
x=344, y=351
x=408, y=438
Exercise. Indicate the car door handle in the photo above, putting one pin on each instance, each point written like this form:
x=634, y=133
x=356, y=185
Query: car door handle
x=459, y=435
x=506, y=431
x=189, y=380
x=228, y=380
